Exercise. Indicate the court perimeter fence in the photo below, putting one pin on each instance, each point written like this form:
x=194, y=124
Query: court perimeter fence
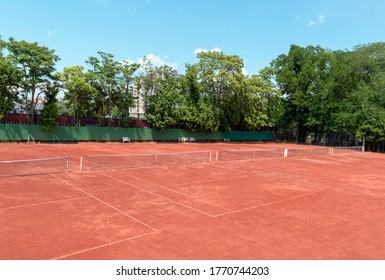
x=24, y=132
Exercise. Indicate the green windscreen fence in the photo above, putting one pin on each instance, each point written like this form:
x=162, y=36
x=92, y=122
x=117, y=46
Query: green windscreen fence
x=249, y=135
x=21, y=132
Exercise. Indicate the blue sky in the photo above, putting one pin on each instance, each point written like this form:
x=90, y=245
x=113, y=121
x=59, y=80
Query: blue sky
x=171, y=31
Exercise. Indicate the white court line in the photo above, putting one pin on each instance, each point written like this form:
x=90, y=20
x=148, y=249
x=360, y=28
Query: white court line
x=42, y=203
x=105, y=203
x=102, y=246
x=171, y=190
x=150, y=192
x=206, y=180
x=271, y=203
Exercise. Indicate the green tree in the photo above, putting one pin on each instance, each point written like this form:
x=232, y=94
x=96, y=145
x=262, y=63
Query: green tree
x=165, y=102
x=219, y=77
x=10, y=78
x=274, y=106
x=78, y=92
x=196, y=112
x=256, y=103
x=105, y=74
x=127, y=80
x=37, y=64
x=357, y=75
x=50, y=111
x=147, y=79
x=238, y=102
x=191, y=86
x=303, y=77
x=218, y=73
x=366, y=110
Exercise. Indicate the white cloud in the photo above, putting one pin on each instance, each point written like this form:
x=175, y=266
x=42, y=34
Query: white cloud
x=311, y=21
x=51, y=32
x=317, y=21
x=199, y=50
x=158, y=61
x=321, y=19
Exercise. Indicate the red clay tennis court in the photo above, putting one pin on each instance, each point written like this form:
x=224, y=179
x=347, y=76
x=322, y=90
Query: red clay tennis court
x=189, y=201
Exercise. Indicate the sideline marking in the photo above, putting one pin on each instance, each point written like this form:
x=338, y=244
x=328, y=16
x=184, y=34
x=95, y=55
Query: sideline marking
x=174, y=201
x=171, y=190
x=102, y=246
x=42, y=203
x=271, y=203
x=105, y=203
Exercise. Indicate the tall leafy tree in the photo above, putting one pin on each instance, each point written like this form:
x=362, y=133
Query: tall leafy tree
x=367, y=110
x=274, y=107
x=78, y=92
x=256, y=103
x=218, y=74
x=196, y=112
x=10, y=79
x=164, y=104
x=302, y=76
x=364, y=105
x=127, y=80
x=37, y=64
x=148, y=77
x=105, y=79
x=50, y=111
x=191, y=85
x=219, y=79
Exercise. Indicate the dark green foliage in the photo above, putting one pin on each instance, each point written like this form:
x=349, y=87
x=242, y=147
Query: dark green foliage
x=10, y=78
x=50, y=111
x=37, y=65
x=164, y=104
x=326, y=91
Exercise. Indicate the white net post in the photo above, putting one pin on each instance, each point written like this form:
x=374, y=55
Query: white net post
x=285, y=152
x=81, y=164
x=67, y=165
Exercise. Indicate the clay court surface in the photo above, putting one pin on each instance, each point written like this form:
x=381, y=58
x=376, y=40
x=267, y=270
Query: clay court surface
x=329, y=206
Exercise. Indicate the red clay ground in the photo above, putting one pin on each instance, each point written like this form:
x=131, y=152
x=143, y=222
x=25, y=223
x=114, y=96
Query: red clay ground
x=320, y=207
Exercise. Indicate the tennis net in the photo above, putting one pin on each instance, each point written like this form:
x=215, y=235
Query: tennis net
x=344, y=150
x=230, y=155
x=100, y=162
x=10, y=168
x=309, y=151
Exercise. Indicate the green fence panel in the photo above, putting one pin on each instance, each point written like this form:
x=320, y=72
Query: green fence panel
x=10, y=132
x=174, y=134
x=20, y=132
x=249, y=135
